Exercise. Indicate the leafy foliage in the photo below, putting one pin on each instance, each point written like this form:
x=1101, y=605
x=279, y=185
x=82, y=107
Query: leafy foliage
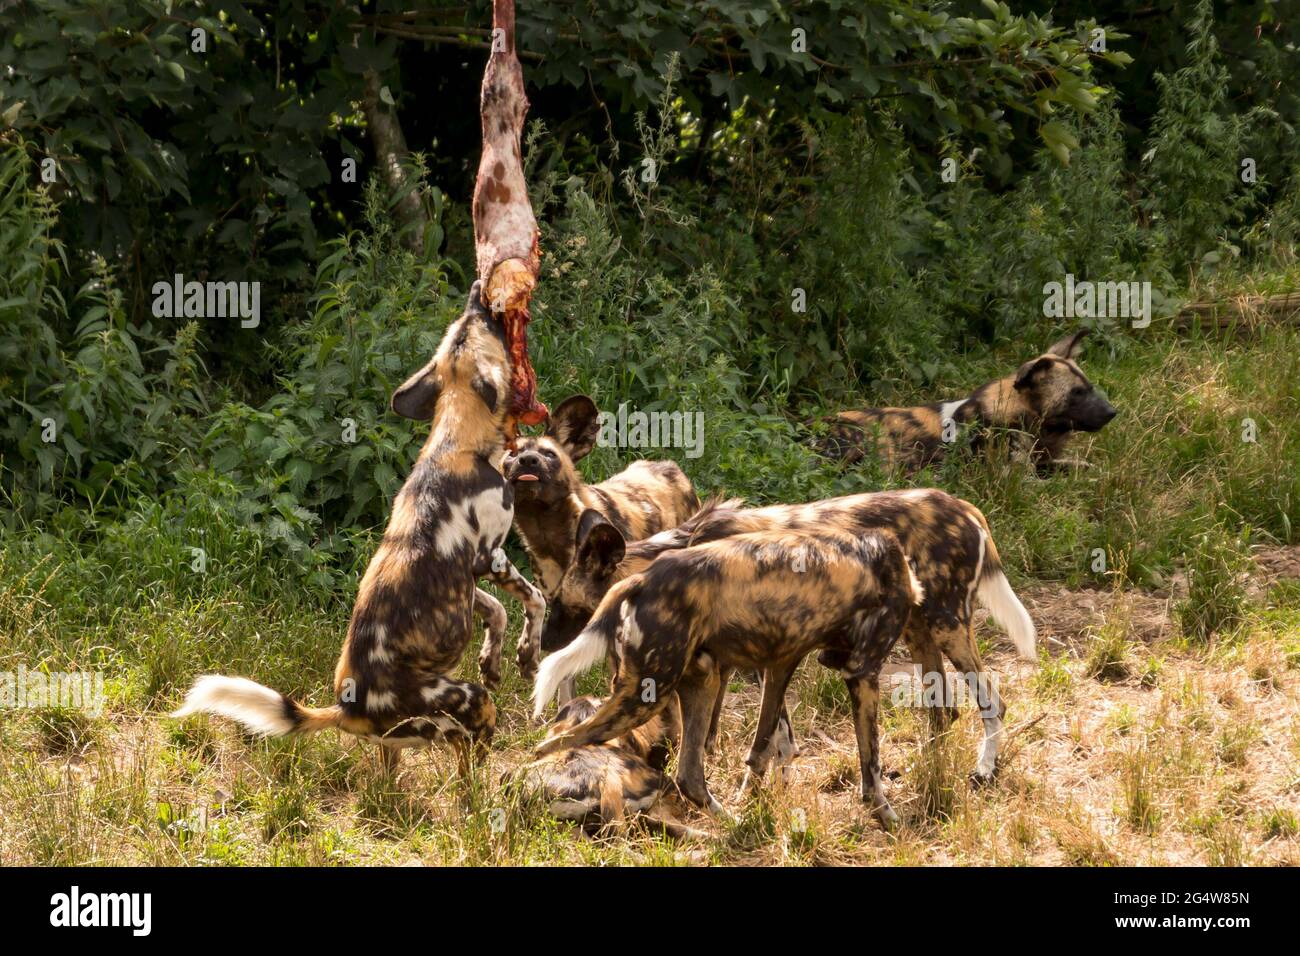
x=1197, y=195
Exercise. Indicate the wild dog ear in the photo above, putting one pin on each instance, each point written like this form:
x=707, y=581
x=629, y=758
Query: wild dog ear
x=1025, y=376
x=576, y=710
x=486, y=391
x=574, y=425
x=1069, y=347
x=600, y=545
x=475, y=302
x=417, y=397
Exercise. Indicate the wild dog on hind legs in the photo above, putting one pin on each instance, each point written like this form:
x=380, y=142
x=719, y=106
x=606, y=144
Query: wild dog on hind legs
x=415, y=608
x=763, y=601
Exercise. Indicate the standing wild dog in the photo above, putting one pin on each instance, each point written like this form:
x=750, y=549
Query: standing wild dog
x=551, y=497
x=947, y=539
x=414, y=611
x=602, y=557
x=1047, y=400
x=762, y=600
x=600, y=784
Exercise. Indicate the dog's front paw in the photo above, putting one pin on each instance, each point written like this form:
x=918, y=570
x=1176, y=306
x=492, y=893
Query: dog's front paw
x=526, y=658
x=489, y=670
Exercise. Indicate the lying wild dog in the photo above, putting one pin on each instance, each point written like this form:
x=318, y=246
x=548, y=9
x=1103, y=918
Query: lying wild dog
x=947, y=539
x=415, y=608
x=762, y=600
x=551, y=497
x=601, y=784
x=1047, y=399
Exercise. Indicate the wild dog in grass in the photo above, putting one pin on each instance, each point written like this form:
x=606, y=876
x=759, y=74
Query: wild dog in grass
x=415, y=608
x=1045, y=401
x=602, y=555
x=551, y=498
x=603, y=784
x=760, y=600
x=947, y=539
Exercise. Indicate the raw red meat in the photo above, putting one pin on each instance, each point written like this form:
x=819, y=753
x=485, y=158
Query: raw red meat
x=505, y=230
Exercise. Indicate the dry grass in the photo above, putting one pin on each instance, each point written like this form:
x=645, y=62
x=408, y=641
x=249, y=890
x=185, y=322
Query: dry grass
x=1195, y=759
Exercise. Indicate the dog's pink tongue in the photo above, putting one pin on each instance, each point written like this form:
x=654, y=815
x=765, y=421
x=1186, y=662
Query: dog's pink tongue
x=526, y=478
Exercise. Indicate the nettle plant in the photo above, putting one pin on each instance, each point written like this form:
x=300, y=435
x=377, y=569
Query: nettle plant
x=95, y=406
x=1194, y=174
x=325, y=443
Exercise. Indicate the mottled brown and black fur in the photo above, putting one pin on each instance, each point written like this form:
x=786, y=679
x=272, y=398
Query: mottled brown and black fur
x=1040, y=406
x=414, y=612
x=947, y=539
x=551, y=497
x=602, y=557
x=603, y=783
x=760, y=600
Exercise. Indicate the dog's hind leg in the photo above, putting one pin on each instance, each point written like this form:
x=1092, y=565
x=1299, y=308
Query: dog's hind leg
x=459, y=713
x=698, y=692
x=493, y=615
x=529, y=649
x=864, y=691
x=627, y=708
x=715, y=718
x=929, y=665
x=959, y=644
x=873, y=636
x=770, y=735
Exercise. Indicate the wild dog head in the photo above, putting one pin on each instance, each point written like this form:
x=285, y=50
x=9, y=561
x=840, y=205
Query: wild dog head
x=1055, y=389
x=603, y=556
x=541, y=469
x=467, y=382
x=600, y=549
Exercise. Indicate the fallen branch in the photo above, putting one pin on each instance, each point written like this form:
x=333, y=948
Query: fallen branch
x=1223, y=314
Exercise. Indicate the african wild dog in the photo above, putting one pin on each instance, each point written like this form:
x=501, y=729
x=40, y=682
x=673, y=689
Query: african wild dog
x=599, y=547
x=551, y=497
x=947, y=539
x=1048, y=399
x=600, y=784
x=414, y=610
x=761, y=600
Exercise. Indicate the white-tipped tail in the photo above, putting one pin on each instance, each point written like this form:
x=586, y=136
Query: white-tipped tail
x=914, y=586
x=996, y=595
x=581, y=654
x=260, y=709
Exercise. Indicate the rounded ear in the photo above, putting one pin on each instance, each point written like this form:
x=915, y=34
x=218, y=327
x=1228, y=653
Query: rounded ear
x=1070, y=346
x=475, y=306
x=417, y=397
x=600, y=545
x=1025, y=376
x=574, y=425
x=475, y=300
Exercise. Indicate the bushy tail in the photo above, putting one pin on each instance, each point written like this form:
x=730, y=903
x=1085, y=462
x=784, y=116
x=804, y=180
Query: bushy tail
x=585, y=650
x=915, y=590
x=641, y=553
x=1002, y=604
x=260, y=709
